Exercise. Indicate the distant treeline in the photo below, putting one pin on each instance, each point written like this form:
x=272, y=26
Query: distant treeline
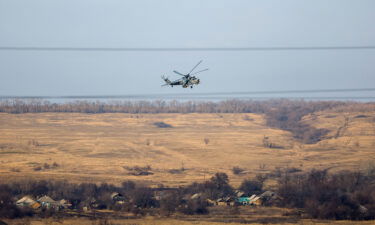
x=282, y=114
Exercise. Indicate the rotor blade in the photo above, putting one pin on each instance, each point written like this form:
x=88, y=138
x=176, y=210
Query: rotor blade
x=178, y=73
x=195, y=66
x=199, y=71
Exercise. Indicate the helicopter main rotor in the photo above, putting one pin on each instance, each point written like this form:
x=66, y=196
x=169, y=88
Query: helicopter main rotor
x=190, y=73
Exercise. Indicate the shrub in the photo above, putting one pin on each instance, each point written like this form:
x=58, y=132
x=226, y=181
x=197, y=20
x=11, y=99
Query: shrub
x=162, y=125
x=170, y=203
x=194, y=206
x=139, y=171
x=237, y=170
x=144, y=198
x=345, y=195
x=251, y=187
x=38, y=168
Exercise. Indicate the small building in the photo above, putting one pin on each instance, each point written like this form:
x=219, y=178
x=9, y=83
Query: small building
x=25, y=201
x=225, y=201
x=240, y=194
x=255, y=200
x=64, y=204
x=210, y=202
x=115, y=196
x=243, y=200
x=28, y=201
x=48, y=202
x=252, y=200
x=196, y=196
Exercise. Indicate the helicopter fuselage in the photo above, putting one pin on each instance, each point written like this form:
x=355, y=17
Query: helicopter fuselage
x=187, y=80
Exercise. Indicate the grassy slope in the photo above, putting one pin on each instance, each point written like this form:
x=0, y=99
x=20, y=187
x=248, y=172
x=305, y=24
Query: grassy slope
x=95, y=147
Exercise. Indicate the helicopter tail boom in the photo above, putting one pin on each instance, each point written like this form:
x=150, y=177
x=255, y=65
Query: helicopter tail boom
x=167, y=81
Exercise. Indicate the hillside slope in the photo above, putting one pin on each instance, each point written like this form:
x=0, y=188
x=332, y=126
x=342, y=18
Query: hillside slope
x=105, y=147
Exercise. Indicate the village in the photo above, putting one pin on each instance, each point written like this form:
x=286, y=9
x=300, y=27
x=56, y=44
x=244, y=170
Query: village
x=45, y=202
x=315, y=194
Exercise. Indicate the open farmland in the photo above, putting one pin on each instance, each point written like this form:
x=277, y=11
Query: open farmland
x=82, y=147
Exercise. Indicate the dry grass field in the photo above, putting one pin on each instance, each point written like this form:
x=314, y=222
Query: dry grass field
x=82, y=147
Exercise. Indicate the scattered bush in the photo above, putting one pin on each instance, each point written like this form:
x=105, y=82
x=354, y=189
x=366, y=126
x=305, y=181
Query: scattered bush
x=250, y=187
x=247, y=118
x=46, y=166
x=292, y=170
x=194, y=206
x=16, y=170
x=176, y=171
x=144, y=198
x=237, y=170
x=37, y=168
x=162, y=125
x=170, y=203
x=139, y=171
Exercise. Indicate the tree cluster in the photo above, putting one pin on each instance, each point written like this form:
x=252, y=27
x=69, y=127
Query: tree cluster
x=345, y=195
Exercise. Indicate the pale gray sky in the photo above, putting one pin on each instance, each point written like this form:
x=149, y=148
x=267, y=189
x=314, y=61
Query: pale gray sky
x=188, y=23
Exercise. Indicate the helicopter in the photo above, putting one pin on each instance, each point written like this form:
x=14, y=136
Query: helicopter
x=186, y=80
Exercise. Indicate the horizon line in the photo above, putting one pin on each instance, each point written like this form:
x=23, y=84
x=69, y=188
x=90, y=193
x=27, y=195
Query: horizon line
x=193, y=94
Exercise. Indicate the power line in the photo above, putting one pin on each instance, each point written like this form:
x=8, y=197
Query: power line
x=185, y=49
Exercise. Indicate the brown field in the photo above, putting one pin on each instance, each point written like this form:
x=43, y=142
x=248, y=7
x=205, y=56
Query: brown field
x=96, y=147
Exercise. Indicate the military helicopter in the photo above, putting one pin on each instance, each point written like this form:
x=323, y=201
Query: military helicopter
x=186, y=80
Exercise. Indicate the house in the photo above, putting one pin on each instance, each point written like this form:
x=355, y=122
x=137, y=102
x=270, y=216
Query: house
x=255, y=200
x=28, y=201
x=243, y=200
x=25, y=201
x=252, y=200
x=240, y=194
x=196, y=196
x=118, y=198
x=210, y=202
x=64, y=204
x=225, y=201
x=48, y=202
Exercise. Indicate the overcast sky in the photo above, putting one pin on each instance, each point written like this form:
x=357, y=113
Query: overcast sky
x=188, y=23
